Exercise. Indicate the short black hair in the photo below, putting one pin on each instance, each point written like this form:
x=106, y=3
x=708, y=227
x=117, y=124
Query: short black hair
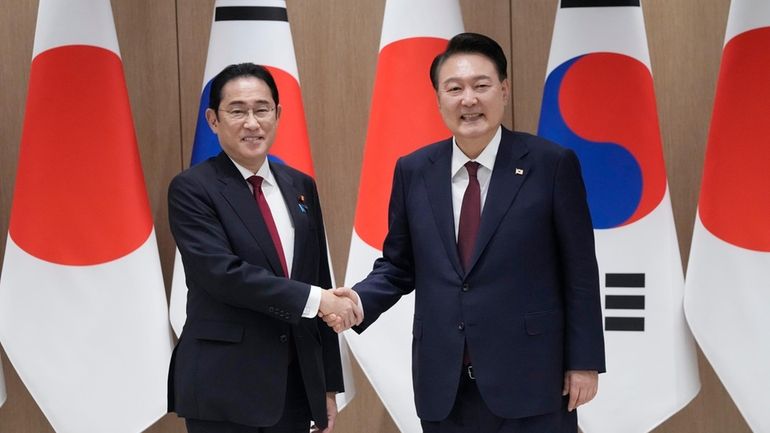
x=471, y=43
x=236, y=71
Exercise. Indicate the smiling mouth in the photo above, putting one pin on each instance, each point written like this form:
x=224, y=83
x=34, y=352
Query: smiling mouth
x=470, y=117
x=252, y=139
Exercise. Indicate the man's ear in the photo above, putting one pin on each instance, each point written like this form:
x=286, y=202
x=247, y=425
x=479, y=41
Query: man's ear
x=212, y=119
x=506, y=87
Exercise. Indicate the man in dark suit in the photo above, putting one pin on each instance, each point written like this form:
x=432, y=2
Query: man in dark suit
x=491, y=230
x=253, y=356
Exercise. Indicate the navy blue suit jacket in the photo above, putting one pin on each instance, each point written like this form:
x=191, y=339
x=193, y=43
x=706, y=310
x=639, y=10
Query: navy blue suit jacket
x=528, y=306
x=231, y=361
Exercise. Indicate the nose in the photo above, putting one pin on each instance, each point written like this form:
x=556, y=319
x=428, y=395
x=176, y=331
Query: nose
x=469, y=97
x=251, y=121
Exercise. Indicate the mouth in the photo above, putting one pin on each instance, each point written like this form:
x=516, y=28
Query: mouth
x=471, y=117
x=252, y=138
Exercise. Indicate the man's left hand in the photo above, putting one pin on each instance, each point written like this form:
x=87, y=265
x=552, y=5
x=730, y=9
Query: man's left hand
x=581, y=385
x=331, y=414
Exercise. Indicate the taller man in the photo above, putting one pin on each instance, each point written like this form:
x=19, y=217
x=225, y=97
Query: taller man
x=491, y=230
x=252, y=356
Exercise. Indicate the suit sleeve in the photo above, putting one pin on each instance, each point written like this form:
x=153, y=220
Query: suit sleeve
x=584, y=340
x=393, y=273
x=212, y=266
x=330, y=341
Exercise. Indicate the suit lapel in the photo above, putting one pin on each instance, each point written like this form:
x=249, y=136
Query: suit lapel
x=291, y=196
x=510, y=171
x=438, y=182
x=237, y=193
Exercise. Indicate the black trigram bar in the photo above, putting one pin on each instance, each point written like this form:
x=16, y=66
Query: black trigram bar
x=624, y=302
x=250, y=13
x=597, y=3
x=624, y=323
x=624, y=280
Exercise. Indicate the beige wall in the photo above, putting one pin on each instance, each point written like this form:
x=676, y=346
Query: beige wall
x=163, y=44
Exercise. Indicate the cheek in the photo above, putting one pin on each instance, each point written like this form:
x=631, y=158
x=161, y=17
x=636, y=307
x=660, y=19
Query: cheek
x=446, y=111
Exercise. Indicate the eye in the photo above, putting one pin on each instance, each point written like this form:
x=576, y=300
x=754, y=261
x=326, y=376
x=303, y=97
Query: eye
x=482, y=87
x=453, y=90
x=237, y=112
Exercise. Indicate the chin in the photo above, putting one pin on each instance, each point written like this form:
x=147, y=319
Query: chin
x=472, y=133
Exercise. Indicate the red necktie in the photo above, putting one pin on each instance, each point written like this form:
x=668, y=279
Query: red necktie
x=256, y=182
x=470, y=216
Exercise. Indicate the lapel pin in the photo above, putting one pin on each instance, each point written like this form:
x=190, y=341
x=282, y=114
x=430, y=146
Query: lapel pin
x=519, y=172
x=301, y=203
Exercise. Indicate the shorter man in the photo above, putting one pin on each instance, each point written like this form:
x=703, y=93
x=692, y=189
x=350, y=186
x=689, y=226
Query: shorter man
x=253, y=357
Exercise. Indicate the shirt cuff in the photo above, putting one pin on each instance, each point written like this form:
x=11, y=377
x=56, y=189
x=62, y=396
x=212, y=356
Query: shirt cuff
x=313, y=303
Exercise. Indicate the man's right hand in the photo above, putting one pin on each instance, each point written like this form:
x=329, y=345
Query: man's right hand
x=351, y=313
x=339, y=310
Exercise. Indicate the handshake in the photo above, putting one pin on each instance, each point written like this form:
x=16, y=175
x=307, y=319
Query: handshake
x=340, y=308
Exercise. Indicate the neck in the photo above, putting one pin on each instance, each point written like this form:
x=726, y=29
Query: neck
x=251, y=165
x=472, y=148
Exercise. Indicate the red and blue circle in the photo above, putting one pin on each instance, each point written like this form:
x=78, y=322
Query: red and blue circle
x=602, y=105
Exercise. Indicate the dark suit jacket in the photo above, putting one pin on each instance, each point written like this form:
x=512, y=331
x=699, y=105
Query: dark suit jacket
x=528, y=306
x=231, y=361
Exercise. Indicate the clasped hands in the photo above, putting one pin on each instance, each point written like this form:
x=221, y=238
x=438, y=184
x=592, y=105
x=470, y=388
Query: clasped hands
x=340, y=308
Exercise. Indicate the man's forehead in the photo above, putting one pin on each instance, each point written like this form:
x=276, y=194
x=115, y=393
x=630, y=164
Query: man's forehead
x=467, y=65
x=248, y=89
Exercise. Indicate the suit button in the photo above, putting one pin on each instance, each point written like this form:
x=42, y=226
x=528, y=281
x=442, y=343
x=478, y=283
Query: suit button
x=284, y=338
x=271, y=309
x=461, y=326
x=466, y=287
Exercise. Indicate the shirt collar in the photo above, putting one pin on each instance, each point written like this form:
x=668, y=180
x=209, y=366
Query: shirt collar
x=264, y=171
x=486, y=158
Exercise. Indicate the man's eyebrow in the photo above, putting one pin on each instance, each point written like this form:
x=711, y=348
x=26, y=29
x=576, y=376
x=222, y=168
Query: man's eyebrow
x=240, y=102
x=475, y=77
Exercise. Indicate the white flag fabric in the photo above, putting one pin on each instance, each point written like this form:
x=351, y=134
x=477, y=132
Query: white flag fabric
x=727, y=295
x=599, y=100
x=83, y=314
x=413, y=33
x=255, y=31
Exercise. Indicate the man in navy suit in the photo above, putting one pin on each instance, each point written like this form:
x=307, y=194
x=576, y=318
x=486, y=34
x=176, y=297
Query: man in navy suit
x=491, y=230
x=253, y=357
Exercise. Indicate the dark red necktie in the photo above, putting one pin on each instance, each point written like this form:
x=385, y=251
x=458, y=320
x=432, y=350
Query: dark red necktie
x=256, y=182
x=470, y=216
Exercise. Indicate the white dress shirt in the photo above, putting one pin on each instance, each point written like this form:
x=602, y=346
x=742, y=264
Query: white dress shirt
x=460, y=177
x=284, y=225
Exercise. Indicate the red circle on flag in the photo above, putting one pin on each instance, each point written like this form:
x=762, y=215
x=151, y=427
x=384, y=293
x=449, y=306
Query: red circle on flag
x=80, y=197
x=735, y=195
x=404, y=117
